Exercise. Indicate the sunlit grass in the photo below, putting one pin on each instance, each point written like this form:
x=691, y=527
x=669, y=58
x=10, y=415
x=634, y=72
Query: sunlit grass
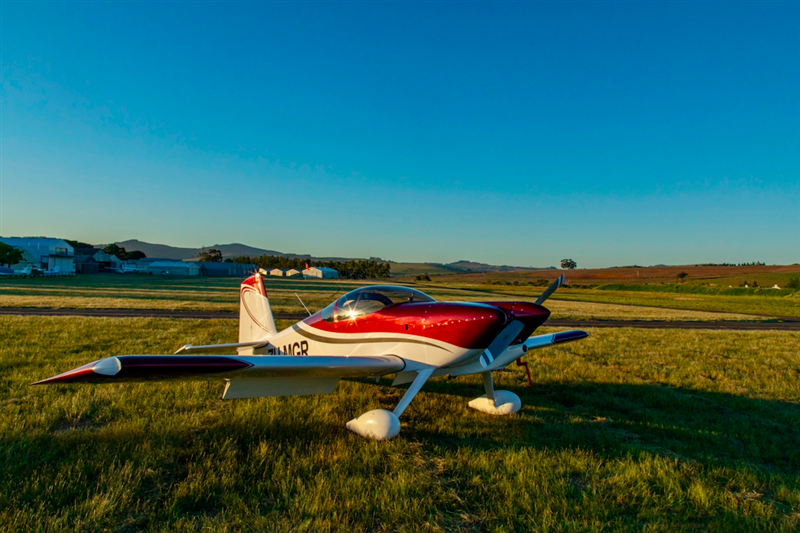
x=787, y=304
x=627, y=430
x=213, y=294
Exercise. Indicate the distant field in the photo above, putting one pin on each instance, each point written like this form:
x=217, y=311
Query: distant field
x=628, y=430
x=787, y=304
x=220, y=294
x=416, y=269
x=635, y=275
x=717, y=299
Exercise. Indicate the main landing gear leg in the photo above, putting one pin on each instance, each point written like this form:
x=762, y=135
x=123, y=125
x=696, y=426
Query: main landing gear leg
x=496, y=402
x=379, y=424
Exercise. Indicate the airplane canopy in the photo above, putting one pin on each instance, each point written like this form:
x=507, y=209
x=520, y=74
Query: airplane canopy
x=367, y=300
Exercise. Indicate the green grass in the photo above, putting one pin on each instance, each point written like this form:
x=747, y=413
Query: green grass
x=788, y=305
x=761, y=302
x=688, y=288
x=628, y=430
x=411, y=270
x=221, y=294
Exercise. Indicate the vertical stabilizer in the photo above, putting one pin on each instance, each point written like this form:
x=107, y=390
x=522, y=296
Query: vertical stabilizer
x=255, y=315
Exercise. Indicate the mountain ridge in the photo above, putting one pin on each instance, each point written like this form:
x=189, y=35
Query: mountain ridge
x=176, y=253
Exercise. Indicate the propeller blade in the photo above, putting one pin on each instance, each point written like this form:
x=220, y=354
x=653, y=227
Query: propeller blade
x=501, y=342
x=550, y=290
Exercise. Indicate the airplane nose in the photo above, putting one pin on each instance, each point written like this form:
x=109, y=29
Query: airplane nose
x=466, y=325
x=531, y=315
x=502, y=317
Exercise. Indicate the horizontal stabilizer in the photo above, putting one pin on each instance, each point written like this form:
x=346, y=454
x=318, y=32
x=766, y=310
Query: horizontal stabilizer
x=221, y=348
x=173, y=367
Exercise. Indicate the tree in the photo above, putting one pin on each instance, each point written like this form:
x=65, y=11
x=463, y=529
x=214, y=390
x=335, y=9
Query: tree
x=9, y=255
x=681, y=276
x=115, y=249
x=211, y=256
x=353, y=269
x=793, y=283
x=568, y=264
x=119, y=251
x=78, y=244
x=423, y=277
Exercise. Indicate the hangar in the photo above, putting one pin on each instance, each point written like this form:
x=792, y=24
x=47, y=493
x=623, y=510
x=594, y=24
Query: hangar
x=174, y=268
x=320, y=273
x=44, y=253
x=217, y=269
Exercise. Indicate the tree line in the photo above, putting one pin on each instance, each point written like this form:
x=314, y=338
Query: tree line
x=353, y=269
x=754, y=263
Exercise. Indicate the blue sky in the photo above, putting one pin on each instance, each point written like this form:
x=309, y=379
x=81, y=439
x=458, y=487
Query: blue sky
x=506, y=132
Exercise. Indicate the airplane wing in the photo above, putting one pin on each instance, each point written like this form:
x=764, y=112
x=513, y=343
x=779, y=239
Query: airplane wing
x=248, y=376
x=512, y=353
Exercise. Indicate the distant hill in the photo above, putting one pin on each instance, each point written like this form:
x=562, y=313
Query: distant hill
x=174, y=252
x=459, y=267
x=235, y=250
x=470, y=266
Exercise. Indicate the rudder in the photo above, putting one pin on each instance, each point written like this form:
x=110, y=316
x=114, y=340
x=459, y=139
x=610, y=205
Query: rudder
x=255, y=314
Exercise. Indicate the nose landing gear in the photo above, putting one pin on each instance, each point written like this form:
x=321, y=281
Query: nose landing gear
x=501, y=402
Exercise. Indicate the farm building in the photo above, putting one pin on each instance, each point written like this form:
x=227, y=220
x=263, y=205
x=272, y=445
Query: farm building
x=321, y=273
x=44, y=253
x=293, y=273
x=277, y=272
x=174, y=268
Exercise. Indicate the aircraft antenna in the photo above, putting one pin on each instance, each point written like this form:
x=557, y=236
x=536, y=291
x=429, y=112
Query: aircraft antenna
x=304, y=305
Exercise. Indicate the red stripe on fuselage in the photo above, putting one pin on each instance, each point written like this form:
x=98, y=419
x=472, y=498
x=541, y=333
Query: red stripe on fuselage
x=466, y=325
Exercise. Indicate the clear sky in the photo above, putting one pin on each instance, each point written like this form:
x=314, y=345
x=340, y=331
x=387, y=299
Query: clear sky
x=518, y=133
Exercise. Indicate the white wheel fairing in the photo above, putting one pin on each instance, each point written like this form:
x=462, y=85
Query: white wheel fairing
x=505, y=403
x=377, y=424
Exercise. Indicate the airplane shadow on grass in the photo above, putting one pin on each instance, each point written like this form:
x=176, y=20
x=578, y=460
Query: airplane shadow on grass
x=609, y=420
x=614, y=420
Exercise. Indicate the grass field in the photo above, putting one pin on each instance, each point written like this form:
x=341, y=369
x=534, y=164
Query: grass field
x=767, y=274
x=775, y=304
x=221, y=294
x=629, y=430
x=713, y=289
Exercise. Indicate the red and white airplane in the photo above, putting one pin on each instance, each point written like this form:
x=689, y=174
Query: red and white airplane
x=369, y=332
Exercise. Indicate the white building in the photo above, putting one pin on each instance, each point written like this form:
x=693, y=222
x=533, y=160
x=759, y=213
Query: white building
x=44, y=253
x=321, y=273
x=292, y=273
x=277, y=272
x=174, y=268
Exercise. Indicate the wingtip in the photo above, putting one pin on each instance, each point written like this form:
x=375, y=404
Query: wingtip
x=73, y=375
